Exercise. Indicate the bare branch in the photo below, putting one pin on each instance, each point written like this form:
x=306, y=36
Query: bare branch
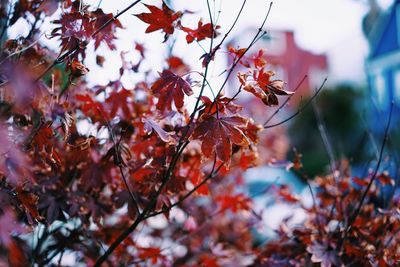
x=364, y=195
x=286, y=101
x=300, y=110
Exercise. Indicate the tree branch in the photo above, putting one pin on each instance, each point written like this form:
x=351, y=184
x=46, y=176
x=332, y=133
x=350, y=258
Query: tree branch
x=300, y=110
x=364, y=195
x=62, y=57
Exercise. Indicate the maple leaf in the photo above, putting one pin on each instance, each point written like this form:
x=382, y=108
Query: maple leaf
x=77, y=69
x=91, y=107
x=160, y=19
x=99, y=18
x=202, y=32
x=323, y=253
x=150, y=125
x=152, y=254
x=43, y=136
x=170, y=87
x=75, y=28
x=248, y=160
x=234, y=203
x=119, y=100
x=258, y=59
x=29, y=201
x=224, y=105
x=218, y=134
x=237, y=52
x=263, y=87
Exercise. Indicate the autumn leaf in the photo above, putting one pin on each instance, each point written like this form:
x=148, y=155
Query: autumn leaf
x=43, y=136
x=120, y=101
x=218, y=134
x=223, y=104
x=77, y=69
x=263, y=87
x=325, y=255
x=234, y=203
x=286, y=195
x=16, y=255
x=99, y=18
x=159, y=19
x=150, y=126
x=90, y=106
x=29, y=201
x=170, y=87
x=237, y=52
x=202, y=32
x=151, y=253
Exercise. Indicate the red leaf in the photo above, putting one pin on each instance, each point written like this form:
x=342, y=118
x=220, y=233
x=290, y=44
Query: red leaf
x=119, y=101
x=78, y=69
x=263, y=87
x=91, y=107
x=225, y=105
x=43, y=137
x=360, y=182
x=234, y=203
x=170, y=87
x=16, y=255
x=140, y=48
x=29, y=201
x=150, y=125
x=99, y=18
x=160, y=19
x=385, y=179
x=202, y=32
x=152, y=254
x=218, y=134
x=286, y=195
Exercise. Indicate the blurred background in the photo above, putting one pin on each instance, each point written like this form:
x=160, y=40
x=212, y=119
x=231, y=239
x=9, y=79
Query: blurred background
x=355, y=44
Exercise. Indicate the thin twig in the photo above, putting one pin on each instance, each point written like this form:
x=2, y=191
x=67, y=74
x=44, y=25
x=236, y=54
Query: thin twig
x=286, y=101
x=20, y=51
x=260, y=29
x=62, y=57
x=374, y=175
x=324, y=136
x=119, y=161
x=230, y=29
x=188, y=194
x=300, y=110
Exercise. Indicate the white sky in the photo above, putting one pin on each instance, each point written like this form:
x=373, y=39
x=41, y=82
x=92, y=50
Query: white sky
x=321, y=26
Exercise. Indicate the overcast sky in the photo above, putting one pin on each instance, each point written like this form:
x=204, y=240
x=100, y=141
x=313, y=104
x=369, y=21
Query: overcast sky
x=321, y=26
x=332, y=27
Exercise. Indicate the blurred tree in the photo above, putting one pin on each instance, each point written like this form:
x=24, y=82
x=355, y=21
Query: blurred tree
x=339, y=110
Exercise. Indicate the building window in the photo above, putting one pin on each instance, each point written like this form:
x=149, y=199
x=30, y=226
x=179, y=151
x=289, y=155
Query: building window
x=275, y=43
x=396, y=89
x=379, y=88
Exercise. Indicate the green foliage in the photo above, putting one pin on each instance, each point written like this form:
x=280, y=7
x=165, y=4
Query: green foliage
x=341, y=116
